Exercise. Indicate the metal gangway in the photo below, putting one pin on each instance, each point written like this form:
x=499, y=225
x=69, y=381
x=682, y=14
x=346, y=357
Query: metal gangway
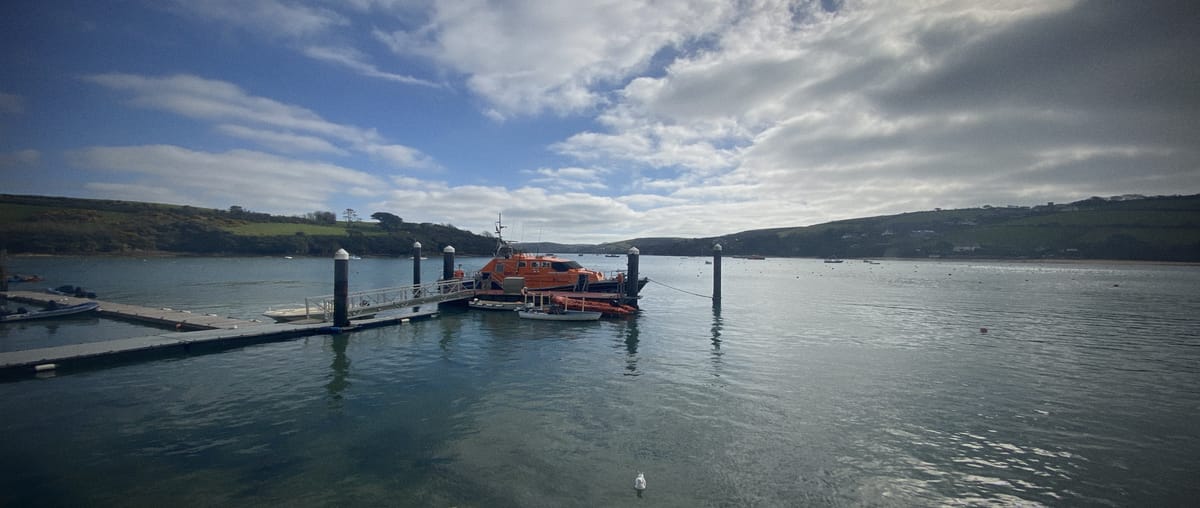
x=373, y=301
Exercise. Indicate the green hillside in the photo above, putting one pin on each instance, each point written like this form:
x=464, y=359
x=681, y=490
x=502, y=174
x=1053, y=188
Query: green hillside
x=52, y=225
x=1165, y=228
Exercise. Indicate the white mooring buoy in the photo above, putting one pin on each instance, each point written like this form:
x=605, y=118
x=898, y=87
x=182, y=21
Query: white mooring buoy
x=639, y=483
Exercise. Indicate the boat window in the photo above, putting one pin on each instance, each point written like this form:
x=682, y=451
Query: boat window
x=500, y=267
x=520, y=264
x=562, y=266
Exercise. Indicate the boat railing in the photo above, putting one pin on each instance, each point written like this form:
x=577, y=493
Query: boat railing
x=613, y=274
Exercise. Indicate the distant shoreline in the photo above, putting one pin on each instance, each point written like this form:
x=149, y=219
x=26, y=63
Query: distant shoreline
x=1053, y=261
x=1060, y=261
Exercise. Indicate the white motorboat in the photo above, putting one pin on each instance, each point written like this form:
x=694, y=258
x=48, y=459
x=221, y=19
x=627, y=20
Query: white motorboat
x=53, y=311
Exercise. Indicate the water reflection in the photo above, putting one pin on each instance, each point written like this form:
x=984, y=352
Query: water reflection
x=451, y=329
x=716, y=330
x=716, y=336
x=341, y=369
x=631, y=345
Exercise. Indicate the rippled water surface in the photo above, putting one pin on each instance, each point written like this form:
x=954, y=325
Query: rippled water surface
x=814, y=384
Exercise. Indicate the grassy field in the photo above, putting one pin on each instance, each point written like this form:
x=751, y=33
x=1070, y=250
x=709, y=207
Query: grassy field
x=1139, y=218
x=285, y=229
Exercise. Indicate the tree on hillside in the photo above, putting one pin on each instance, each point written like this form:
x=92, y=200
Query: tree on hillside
x=350, y=215
x=389, y=222
x=321, y=217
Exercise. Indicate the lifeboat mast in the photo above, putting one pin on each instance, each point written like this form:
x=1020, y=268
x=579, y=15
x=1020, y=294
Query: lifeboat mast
x=503, y=249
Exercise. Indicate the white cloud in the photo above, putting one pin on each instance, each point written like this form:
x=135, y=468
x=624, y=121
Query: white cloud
x=712, y=117
x=281, y=141
x=265, y=17
x=572, y=178
x=648, y=201
x=212, y=179
x=400, y=156
x=356, y=61
x=529, y=211
x=220, y=101
x=529, y=57
x=791, y=118
x=319, y=31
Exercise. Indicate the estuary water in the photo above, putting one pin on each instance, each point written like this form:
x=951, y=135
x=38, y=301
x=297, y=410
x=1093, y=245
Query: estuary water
x=814, y=384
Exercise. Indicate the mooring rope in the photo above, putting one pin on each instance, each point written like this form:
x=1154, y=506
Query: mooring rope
x=680, y=290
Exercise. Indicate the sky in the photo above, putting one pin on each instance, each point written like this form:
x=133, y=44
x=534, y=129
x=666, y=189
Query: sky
x=588, y=121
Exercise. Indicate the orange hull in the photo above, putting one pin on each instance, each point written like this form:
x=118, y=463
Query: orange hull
x=606, y=308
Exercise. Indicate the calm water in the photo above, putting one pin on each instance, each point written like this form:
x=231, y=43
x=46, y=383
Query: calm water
x=814, y=385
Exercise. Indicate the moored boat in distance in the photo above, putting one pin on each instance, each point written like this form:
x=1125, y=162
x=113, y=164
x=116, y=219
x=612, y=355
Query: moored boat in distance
x=485, y=304
x=294, y=314
x=69, y=290
x=53, y=311
x=289, y=314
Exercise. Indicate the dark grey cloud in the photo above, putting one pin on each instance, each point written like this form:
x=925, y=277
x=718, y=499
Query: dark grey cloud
x=1102, y=56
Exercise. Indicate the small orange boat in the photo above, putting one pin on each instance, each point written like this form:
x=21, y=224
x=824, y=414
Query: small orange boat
x=603, y=307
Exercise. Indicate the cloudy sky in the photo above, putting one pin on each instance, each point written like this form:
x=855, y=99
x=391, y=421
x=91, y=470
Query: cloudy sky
x=589, y=121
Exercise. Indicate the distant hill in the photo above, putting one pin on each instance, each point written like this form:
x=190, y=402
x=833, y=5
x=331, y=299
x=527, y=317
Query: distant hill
x=1163, y=228
x=53, y=225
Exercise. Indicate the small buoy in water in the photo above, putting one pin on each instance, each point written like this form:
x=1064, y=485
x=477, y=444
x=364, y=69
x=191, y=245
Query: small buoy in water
x=639, y=483
x=983, y=330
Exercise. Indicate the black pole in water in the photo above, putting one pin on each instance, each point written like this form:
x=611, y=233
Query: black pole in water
x=416, y=263
x=4, y=270
x=448, y=263
x=631, y=281
x=341, y=288
x=716, y=296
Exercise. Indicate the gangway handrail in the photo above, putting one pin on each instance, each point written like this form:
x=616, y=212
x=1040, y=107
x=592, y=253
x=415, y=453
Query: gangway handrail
x=375, y=300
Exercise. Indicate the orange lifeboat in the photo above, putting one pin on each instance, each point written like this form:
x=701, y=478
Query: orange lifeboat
x=539, y=272
x=543, y=272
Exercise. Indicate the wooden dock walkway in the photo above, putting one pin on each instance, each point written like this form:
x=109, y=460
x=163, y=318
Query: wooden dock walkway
x=73, y=356
x=164, y=317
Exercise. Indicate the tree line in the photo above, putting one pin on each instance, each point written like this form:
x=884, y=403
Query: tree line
x=52, y=225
